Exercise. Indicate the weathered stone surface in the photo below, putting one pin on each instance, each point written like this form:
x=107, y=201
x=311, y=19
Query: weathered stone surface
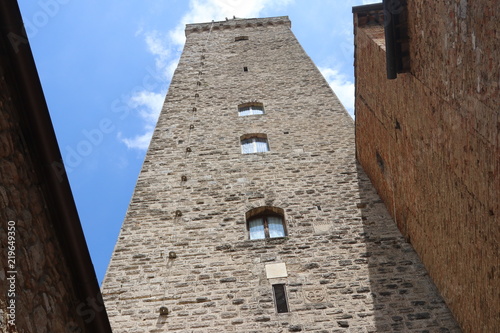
x=430, y=143
x=334, y=272
x=44, y=294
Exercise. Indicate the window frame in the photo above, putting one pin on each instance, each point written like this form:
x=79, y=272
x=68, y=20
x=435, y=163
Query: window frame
x=254, y=138
x=253, y=106
x=264, y=213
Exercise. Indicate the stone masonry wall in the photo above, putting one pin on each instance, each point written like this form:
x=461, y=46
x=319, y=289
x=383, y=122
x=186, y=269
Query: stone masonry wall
x=429, y=142
x=44, y=295
x=348, y=267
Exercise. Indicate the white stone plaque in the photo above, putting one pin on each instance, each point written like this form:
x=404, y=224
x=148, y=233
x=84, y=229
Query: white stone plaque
x=276, y=271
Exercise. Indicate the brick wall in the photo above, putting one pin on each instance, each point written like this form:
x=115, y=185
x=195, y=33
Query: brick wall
x=348, y=267
x=429, y=142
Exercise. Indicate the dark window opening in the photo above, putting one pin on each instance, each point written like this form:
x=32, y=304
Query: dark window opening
x=380, y=162
x=238, y=38
x=280, y=298
x=398, y=125
x=396, y=37
x=245, y=69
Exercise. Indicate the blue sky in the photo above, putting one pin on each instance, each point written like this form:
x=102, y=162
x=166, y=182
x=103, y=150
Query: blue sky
x=105, y=67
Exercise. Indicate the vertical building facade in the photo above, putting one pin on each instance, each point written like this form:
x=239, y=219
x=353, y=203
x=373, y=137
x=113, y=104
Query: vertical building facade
x=251, y=214
x=430, y=142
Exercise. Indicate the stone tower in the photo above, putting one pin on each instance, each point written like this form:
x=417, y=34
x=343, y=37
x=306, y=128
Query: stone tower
x=251, y=214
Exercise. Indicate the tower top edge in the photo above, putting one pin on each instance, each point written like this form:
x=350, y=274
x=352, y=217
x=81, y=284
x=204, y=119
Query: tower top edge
x=235, y=23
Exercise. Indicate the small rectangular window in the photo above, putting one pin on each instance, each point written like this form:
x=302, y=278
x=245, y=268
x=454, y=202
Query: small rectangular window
x=266, y=226
x=245, y=69
x=238, y=38
x=254, y=145
x=280, y=298
x=250, y=109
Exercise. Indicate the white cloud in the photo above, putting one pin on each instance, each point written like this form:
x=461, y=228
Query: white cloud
x=166, y=55
x=139, y=141
x=342, y=86
x=166, y=52
x=148, y=104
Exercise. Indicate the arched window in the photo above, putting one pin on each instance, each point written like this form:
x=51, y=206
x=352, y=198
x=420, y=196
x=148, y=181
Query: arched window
x=249, y=109
x=266, y=222
x=254, y=143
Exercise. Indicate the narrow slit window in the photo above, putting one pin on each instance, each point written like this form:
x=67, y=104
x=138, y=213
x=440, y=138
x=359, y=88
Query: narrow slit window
x=280, y=298
x=238, y=38
x=380, y=162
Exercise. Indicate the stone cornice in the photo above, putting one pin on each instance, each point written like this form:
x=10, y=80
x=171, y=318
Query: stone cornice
x=238, y=23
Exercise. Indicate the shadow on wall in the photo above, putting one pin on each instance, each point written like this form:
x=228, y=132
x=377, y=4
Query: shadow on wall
x=403, y=295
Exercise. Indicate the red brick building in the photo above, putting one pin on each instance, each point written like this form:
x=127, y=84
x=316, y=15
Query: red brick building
x=429, y=139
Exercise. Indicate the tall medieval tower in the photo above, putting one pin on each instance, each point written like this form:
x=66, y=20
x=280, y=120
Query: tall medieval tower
x=251, y=214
